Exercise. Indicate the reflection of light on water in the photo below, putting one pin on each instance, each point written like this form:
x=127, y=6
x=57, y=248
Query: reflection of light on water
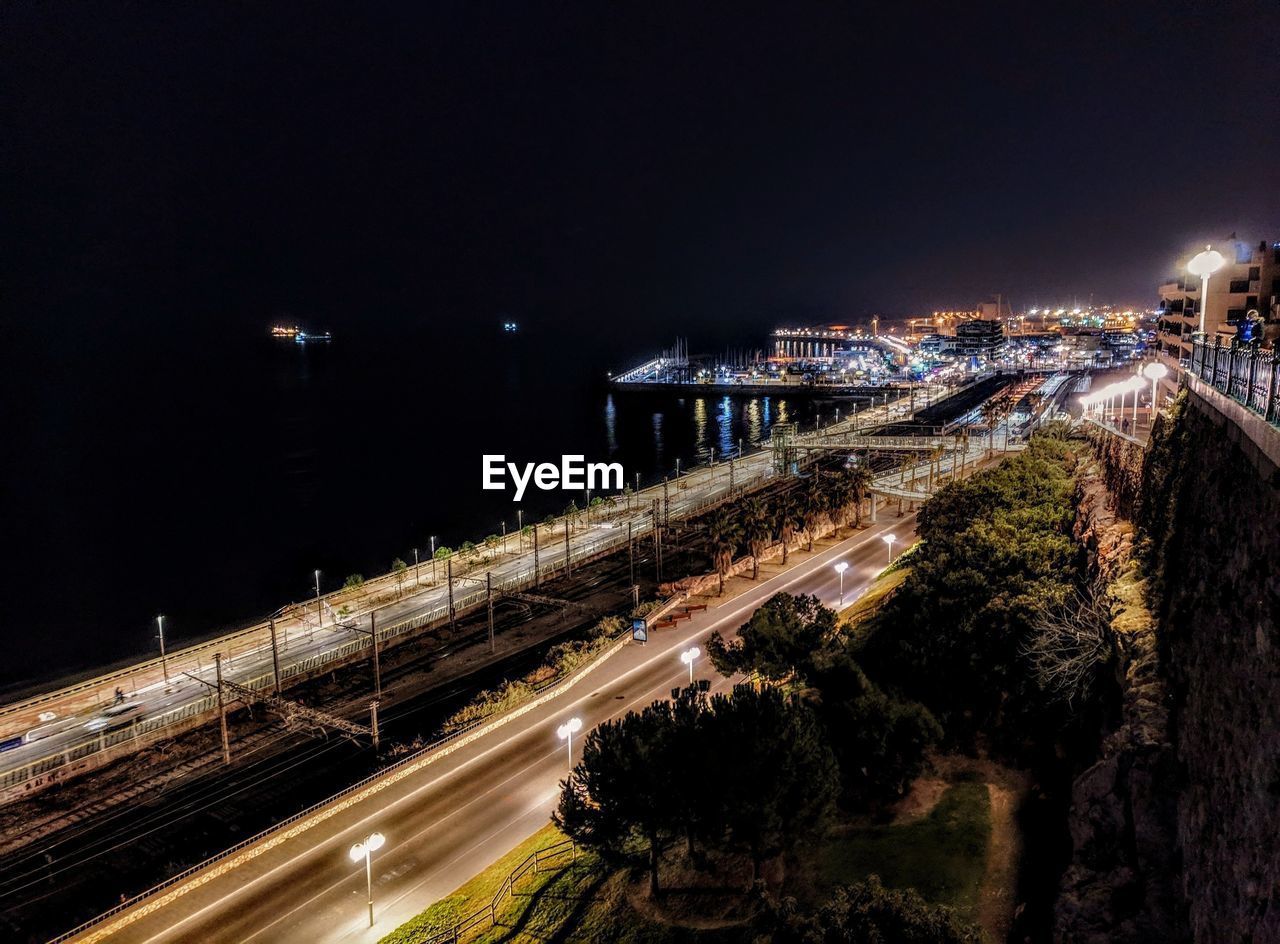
x=611, y=423
x=658, y=444
x=724, y=424
x=700, y=425
x=755, y=425
x=783, y=416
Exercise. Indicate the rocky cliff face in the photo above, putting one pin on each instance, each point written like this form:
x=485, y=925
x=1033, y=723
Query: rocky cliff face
x=1212, y=510
x=1121, y=884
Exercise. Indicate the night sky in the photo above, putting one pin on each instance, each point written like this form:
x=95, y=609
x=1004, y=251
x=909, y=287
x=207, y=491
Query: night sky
x=584, y=165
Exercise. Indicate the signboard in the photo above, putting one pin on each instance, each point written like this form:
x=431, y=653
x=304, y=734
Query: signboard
x=639, y=630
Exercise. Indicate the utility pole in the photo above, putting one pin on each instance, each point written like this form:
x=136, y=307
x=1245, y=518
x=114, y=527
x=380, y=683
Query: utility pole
x=537, y=582
x=275, y=654
x=568, y=568
x=373, y=723
x=416, y=580
x=319, y=604
x=666, y=503
x=631, y=555
x=222, y=709
x=377, y=668
x=450, y=575
x=731, y=461
x=488, y=596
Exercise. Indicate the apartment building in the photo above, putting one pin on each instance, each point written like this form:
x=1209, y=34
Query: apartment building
x=1249, y=280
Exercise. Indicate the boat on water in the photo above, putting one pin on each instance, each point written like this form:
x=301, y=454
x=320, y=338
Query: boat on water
x=298, y=335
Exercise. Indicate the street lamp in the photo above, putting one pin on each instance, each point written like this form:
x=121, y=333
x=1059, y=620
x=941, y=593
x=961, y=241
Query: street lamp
x=1204, y=264
x=319, y=611
x=363, y=850
x=840, y=568
x=688, y=657
x=415, y=567
x=164, y=660
x=889, y=539
x=565, y=733
x=1155, y=372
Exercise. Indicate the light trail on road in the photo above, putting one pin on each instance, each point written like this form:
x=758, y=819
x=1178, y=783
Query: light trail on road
x=451, y=819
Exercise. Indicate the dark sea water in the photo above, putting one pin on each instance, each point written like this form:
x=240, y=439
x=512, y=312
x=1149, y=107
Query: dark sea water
x=206, y=475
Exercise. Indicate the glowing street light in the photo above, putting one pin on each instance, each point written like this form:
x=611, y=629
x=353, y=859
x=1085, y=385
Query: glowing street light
x=889, y=539
x=840, y=568
x=565, y=733
x=688, y=657
x=1204, y=264
x=364, y=850
x=1155, y=372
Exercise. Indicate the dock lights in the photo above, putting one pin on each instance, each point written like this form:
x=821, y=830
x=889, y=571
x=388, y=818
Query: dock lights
x=1204, y=264
x=565, y=733
x=840, y=568
x=364, y=850
x=889, y=539
x=1155, y=372
x=688, y=657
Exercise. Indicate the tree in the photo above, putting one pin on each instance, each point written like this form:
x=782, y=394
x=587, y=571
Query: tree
x=780, y=778
x=840, y=496
x=723, y=533
x=353, y=581
x=618, y=792
x=813, y=505
x=786, y=513
x=859, y=477
x=862, y=913
x=443, y=552
x=1072, y=645
x=757, y=531
x=398, y=568
x=780, y=640
x=880, y=743
x=991, y=411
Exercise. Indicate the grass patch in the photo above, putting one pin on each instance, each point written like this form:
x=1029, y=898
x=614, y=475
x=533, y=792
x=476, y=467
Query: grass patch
x=870, y=602
x=942, y=855
x=474, y=894
x=581, y=902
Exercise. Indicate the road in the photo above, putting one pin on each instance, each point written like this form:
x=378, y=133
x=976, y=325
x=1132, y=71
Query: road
x=302, y=647
x=450, y=819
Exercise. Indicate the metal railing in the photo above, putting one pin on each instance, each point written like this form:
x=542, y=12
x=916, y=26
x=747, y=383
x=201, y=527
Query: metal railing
x=552, y=857
x=1246, y=374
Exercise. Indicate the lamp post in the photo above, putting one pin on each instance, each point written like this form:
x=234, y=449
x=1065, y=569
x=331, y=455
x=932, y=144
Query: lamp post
x=164, y=659
x=688, y=657
x=889, y=539
x=1155, y=372
x=415, y=567
x=1204, y=264
x=840, y=568
x=319, y=611
x=565, y=733
x=364, y=850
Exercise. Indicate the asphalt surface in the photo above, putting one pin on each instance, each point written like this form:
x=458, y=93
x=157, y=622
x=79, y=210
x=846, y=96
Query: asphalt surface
x=449, y=820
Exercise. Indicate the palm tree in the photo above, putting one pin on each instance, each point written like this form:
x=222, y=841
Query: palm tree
x=757, y=531
x=860, y=482
x=991, y=417
x=785, y=514
x=812, y=507
x=723, y=532
x=840, y=496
